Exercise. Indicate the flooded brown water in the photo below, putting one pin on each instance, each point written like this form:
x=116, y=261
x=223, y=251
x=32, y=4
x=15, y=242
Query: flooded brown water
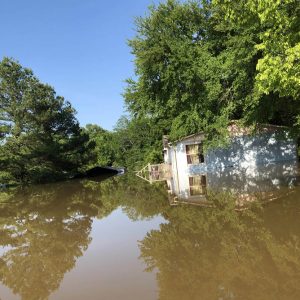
x=121, y=239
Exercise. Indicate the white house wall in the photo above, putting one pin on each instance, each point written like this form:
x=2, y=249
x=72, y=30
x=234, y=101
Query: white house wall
x=248, y=151
x=167, y=156
x=180, y=168
x=240, y=161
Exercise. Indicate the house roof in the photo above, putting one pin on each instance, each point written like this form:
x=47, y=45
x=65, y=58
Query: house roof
x=236, y=130
x=195, y=135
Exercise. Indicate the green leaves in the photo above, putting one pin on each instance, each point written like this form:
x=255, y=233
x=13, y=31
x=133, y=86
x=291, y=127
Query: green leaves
x=103, y=153
x=201, y=64
x=171, y=65
x=41, y=138
x=277, y=68
x=137, y=141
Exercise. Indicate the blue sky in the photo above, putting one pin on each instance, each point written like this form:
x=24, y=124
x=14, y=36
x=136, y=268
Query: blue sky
x=78, y=47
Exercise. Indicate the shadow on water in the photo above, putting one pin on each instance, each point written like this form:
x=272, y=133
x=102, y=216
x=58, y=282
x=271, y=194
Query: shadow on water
x=198, y=252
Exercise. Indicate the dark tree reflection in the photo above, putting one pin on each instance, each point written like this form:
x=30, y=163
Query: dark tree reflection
x=46, y=228
x=220, y=253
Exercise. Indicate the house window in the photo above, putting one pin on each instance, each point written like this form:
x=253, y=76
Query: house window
x=194, y=154
x=197, y=185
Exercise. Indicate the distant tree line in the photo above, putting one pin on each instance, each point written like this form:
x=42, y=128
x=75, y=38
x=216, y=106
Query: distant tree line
x=198, y=65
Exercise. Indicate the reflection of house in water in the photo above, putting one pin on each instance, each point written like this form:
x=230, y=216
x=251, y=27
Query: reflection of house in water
x=250, y=166
x=259, y=182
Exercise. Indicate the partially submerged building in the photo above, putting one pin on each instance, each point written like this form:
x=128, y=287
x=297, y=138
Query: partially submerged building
x=189, y=171
x=263, y=182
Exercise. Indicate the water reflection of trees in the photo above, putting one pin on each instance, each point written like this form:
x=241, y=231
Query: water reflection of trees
x=46, y=228
x=200, y=253
x=219, y=253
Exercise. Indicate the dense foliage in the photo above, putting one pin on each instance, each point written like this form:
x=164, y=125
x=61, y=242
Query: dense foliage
x=198, y=65
x=40, y=138
x=201, y=64
x=103, y=154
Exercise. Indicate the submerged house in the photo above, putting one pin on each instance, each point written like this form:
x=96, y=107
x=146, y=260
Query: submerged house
x=249, y=163
x=269, y=145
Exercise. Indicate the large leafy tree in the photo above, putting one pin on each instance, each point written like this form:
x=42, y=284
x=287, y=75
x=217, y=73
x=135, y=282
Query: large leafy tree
x=278, y=68
x=276, y=88
x=171, y=68
x=40, y=137
x=192, y=70
x=200, y=64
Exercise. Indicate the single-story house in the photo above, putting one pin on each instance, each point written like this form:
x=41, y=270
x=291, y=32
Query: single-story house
x=269, y=145
x=244, y=166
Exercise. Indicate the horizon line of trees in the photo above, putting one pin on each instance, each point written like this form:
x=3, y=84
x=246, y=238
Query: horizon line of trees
x=198, y=65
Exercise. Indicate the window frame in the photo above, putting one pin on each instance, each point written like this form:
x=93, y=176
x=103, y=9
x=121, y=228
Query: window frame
x=198, y=188
x=190, y=156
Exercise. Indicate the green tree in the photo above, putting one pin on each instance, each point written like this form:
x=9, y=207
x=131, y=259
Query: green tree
x=104, y=154
x=192, y=71
x=201, y=64
x=278, y=68
x=277, y=79
x=173, y=78
x=41, y=139
x=138, y=140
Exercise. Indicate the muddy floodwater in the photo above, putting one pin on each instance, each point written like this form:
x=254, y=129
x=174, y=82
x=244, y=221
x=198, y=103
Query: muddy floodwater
x=123, y=238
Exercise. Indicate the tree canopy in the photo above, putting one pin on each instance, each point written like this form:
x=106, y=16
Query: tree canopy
x=40, y=136
x=201, y=64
